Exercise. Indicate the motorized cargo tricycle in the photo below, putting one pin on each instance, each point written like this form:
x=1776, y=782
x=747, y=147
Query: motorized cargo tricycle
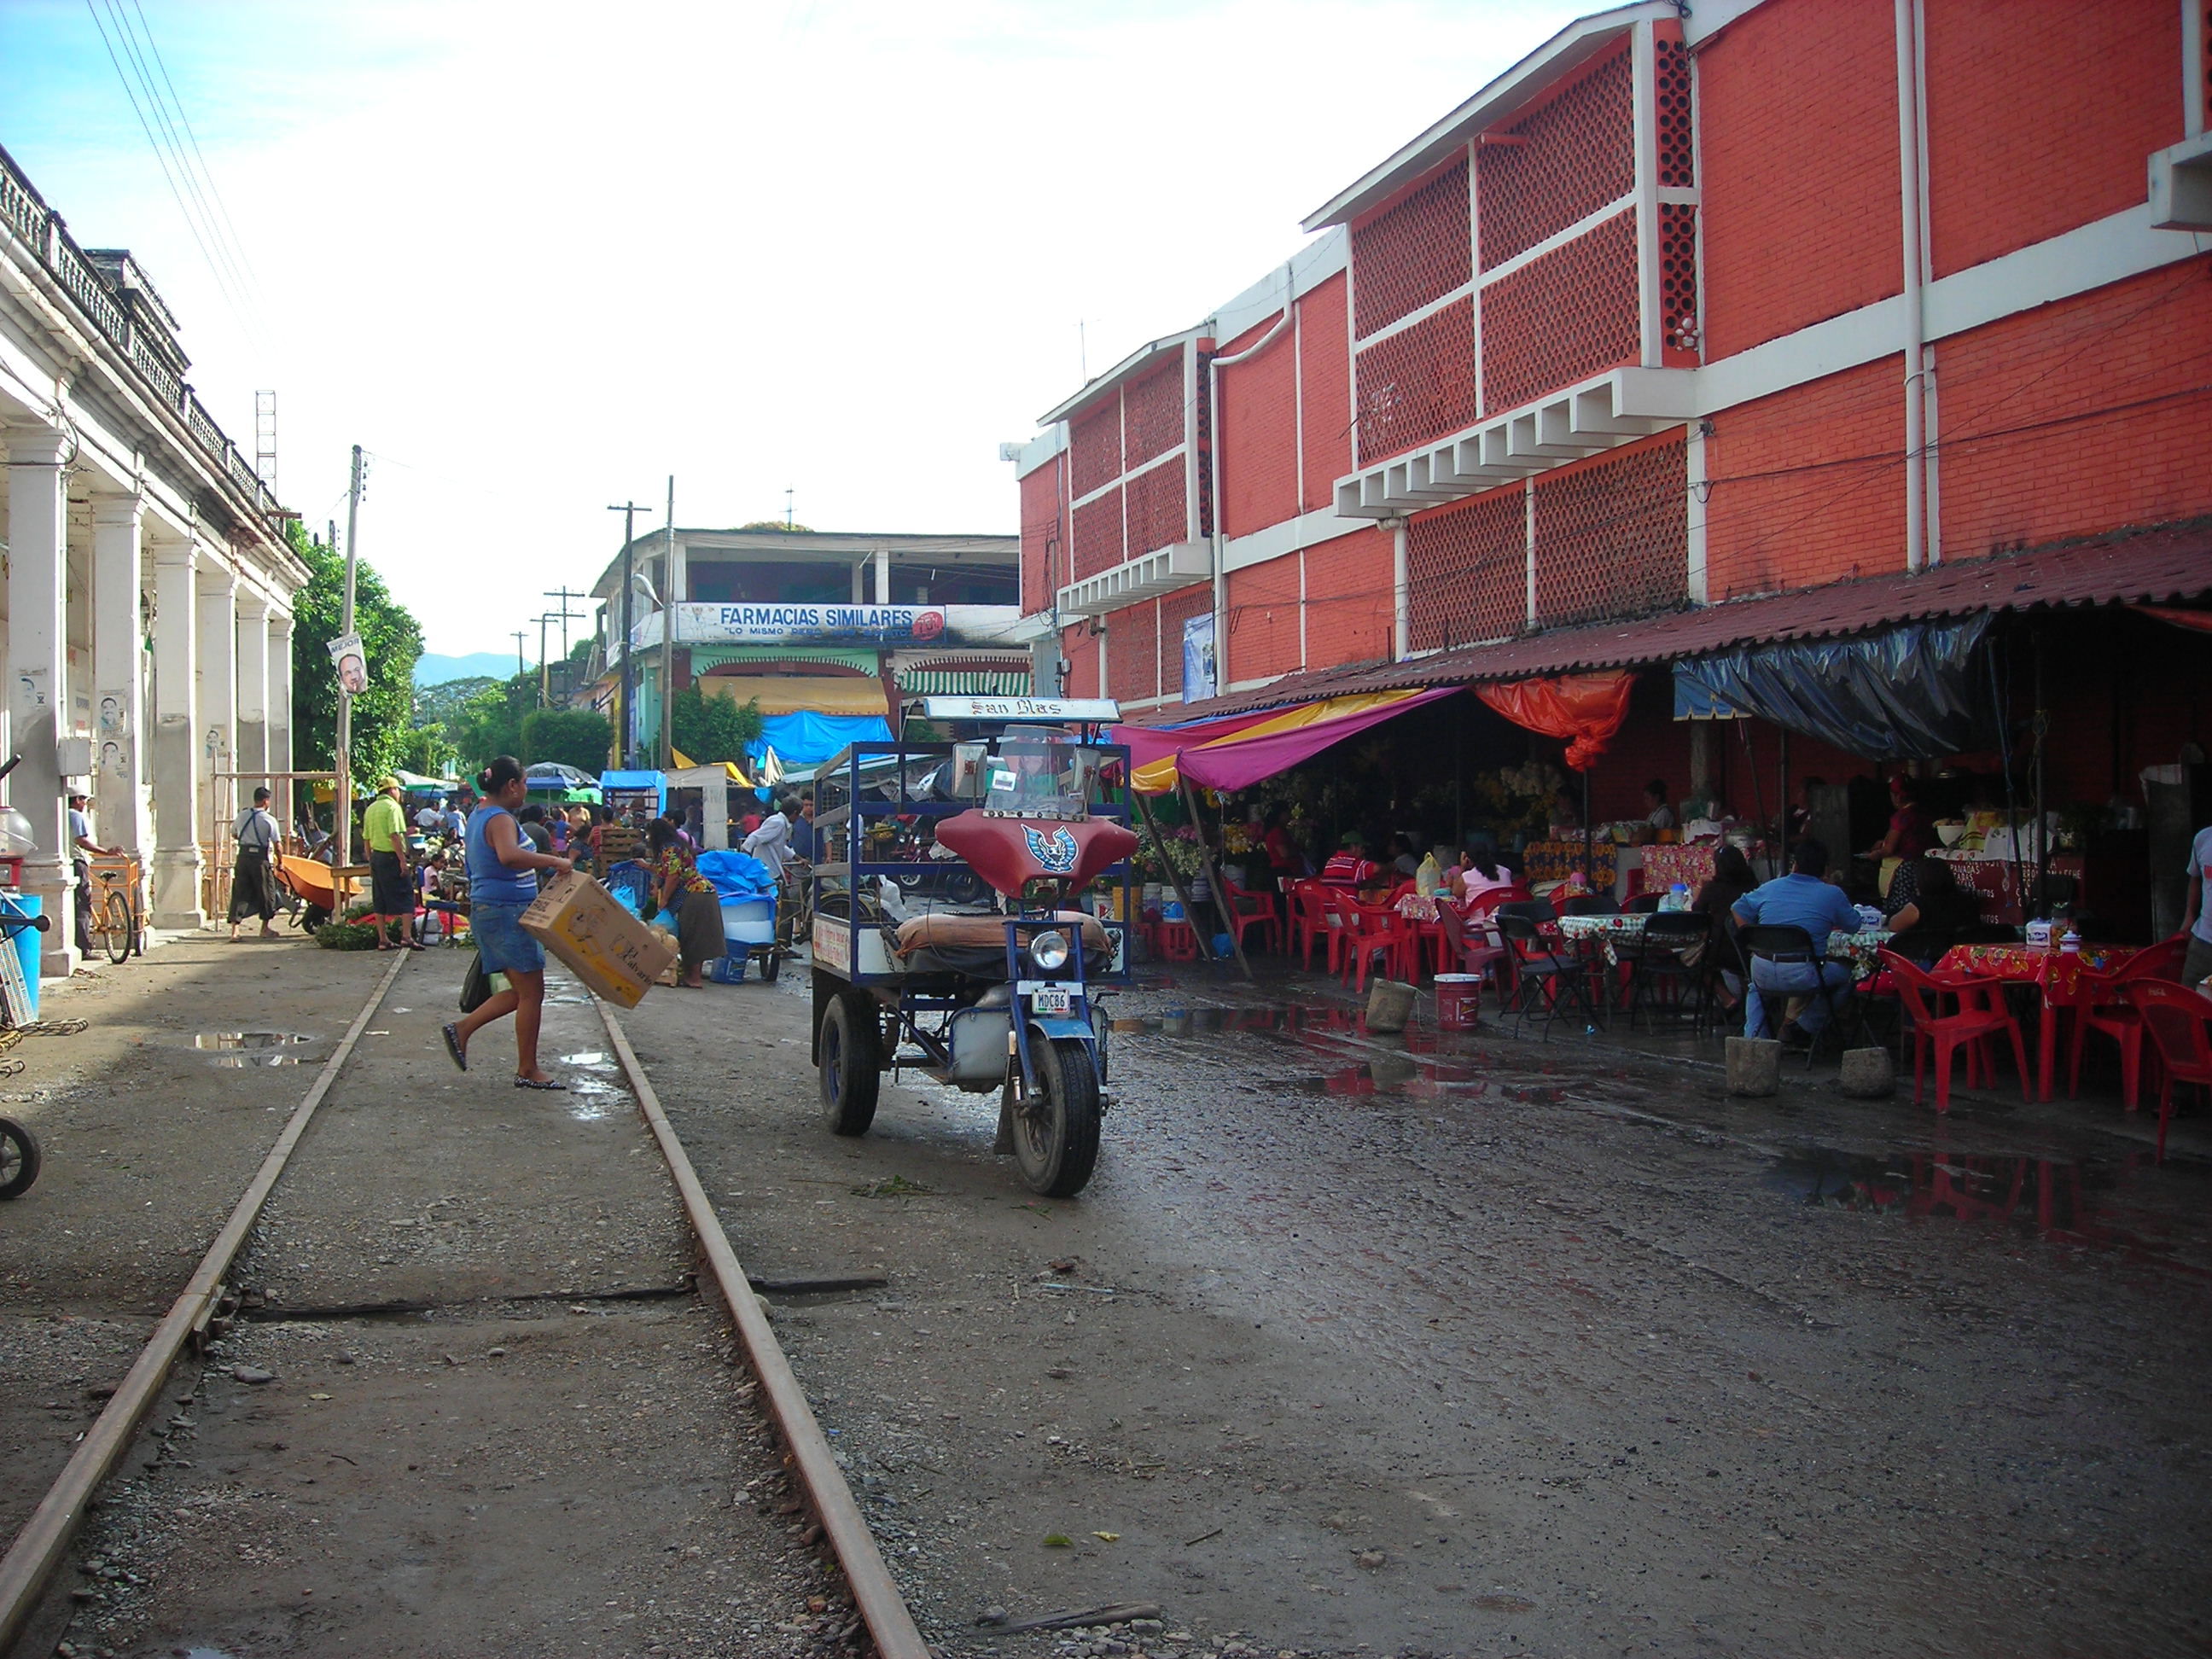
x=998, y=993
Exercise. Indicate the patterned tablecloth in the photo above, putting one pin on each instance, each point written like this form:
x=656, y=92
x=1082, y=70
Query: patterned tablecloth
x=1691, y=865
x=1859, y=949
x=2057, y=973
x=1581, y=927
x=1417, y=907
x=1555, y=860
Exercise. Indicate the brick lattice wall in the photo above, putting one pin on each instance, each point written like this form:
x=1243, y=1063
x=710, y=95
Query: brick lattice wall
x=1413, y=251
x=1099, y=534
x=1580, y=154
x=1419, y=384
x=1560, y=318
x=1467, y=570
x=1043, y=524
x=1152, y=423
x=1095, y=448
x=1671, y=104
x=1160, y=508
x=1612, y=536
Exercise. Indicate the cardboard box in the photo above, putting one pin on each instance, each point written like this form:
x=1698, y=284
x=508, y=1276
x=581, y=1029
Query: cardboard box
x=613, y=952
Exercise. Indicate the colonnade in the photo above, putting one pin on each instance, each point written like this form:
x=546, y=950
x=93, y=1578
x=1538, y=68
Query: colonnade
x=146, y=654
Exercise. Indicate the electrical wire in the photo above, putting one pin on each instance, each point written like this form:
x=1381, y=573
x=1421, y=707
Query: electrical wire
x=224, y=221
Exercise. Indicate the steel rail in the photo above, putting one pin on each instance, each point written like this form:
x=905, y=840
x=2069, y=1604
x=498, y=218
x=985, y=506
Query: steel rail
x=38, y=1549
x=874, y=1593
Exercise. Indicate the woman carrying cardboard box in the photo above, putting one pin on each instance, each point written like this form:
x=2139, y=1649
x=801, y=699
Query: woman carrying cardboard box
x=502, y=881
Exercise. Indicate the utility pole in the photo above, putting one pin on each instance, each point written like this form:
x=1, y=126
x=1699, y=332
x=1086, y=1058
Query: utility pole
x=564, y=616
x=543, y=616
x=625, y=745
x=341, y=795
x=668, y=634
x=787, y=495
x=520, y=666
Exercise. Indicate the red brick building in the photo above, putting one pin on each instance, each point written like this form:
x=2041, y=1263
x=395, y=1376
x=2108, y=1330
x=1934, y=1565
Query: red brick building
x=1625, y=338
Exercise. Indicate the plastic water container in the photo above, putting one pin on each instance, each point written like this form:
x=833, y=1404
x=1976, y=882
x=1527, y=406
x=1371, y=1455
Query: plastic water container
x=2039, y=934
x=749, y=921
x=1459, y=1001
x=1678, y=897
x=27, y=946
x=729, y=969
x=1171, y=910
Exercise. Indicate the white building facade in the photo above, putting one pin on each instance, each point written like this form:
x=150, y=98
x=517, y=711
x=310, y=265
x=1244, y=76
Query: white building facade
x=148, y=593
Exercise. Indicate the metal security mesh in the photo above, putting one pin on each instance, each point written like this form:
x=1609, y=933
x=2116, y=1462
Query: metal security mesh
x=1677, y=153
x=1562, y=318
x=1095, y=448
x=1467, y=567
x=1612, y=537
x=1160, y=508
x=1677, y=276
x=1098, y=535
x=1578, y=154
x=1415, y=252
x=1205, y=463
x=1153, y=417
x=1417, y=385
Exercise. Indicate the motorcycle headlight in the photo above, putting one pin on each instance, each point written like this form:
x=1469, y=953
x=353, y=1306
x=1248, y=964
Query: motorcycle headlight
x=1048, y=951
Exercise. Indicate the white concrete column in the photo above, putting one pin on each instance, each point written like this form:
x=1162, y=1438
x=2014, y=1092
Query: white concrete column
x=176, y=737
x=251, y=748
x=280, y=710
x=860, y=576
x=119, y=674
x=218, y=676
x=883, y=576
x=37, y=678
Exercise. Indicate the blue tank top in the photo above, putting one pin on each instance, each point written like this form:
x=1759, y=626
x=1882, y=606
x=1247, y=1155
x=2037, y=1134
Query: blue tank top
x=491, y=882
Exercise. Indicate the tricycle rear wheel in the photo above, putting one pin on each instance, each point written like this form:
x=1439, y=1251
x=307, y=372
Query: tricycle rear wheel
x=19, y=1158
x=1056, y=1137
x=850, y=1063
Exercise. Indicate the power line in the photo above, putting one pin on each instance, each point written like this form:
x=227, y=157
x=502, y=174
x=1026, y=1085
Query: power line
x=223, y=208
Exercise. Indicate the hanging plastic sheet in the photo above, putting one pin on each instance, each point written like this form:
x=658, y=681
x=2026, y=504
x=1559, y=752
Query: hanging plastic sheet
x=1694, y=702
x=1241, y=749
x=805, y=737
x=1909, y=692
x=1586, y=709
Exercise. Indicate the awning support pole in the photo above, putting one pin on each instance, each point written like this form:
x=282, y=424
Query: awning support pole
x=1212, y=875
x=1757, y=801
x=1175, y=876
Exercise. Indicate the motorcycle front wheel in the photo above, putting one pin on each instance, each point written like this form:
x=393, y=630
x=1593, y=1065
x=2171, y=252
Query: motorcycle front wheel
x=19, y=1158
x=1056, y=1136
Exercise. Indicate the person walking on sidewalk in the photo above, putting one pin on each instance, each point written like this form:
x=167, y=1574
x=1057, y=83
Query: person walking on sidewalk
x=503, y=870
x=81, y=842
x=253, y=878
x=391, y=888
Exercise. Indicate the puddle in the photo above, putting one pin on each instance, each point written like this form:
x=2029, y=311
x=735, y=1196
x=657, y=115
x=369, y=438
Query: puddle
x=240, y=1062
x=203, y=1653
x=596, y=1059
x=225, y=1040
x=1394, y=1074
x=2102, y=1204
x=589, y=1100
x=1203, y=1022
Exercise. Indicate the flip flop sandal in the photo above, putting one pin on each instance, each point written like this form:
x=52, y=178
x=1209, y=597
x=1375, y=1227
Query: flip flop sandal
x=551, y=1083
x=452, y=1036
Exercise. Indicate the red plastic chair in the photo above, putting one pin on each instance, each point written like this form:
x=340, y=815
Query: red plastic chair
x=1244, y=909
x=1318, y=918
x=2180, y=1020
x=1982, y=1015
x=2105, y=1010
x=1373, y=930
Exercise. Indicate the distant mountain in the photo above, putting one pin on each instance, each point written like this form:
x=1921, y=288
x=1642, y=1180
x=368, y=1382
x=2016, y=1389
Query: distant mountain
x=433, y=670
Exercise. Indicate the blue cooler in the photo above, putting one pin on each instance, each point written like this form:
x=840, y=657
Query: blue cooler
x=748, y=922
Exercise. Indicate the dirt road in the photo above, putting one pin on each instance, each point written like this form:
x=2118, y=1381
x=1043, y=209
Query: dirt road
x=1515, y=1349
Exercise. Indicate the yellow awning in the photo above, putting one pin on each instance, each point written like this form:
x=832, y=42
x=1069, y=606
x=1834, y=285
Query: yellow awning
x=686, y=763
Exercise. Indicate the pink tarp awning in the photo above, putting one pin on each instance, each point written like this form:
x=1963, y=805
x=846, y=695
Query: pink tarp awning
x=1240, y=751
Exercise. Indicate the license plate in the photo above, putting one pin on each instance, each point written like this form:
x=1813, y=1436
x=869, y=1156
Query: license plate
x=1052, y=999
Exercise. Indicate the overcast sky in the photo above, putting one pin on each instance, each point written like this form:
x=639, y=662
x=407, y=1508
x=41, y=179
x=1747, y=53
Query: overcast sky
x=537, y=257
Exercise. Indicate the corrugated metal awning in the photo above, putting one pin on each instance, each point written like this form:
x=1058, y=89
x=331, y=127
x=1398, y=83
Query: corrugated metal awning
x=2147, y=566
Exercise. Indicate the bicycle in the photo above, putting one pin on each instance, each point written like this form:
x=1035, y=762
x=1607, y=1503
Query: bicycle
x=118, y=904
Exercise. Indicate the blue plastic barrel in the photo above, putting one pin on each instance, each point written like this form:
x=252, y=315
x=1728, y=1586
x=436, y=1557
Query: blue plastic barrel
x=27, y=944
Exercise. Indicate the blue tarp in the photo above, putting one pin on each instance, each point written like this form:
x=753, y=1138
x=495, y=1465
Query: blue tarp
x=1910, y=692
x=736, y=875
x=806, y=739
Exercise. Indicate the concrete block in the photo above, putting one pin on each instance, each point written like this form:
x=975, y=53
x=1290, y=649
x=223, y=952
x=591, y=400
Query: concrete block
x=1868, y=1073
x=1755, y=1065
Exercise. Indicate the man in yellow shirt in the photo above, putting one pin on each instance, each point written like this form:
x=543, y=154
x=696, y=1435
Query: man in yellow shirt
x=391, y=888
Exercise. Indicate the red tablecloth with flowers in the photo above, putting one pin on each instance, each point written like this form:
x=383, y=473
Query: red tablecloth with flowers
x=2056, y=975
x=1555, y=860
x=1691, y=865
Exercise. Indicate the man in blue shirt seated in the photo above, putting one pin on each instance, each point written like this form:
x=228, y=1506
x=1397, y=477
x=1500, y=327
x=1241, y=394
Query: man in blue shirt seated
x=1799, y=899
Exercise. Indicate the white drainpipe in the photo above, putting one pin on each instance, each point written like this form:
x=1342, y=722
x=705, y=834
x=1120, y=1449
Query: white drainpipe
x=1214, y=368
x=1916, y=390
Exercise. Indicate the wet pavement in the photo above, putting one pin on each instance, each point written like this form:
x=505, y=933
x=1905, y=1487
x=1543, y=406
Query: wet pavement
x=1451, y=1343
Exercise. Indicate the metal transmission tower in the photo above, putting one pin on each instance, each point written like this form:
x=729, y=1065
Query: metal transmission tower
x=265, y=439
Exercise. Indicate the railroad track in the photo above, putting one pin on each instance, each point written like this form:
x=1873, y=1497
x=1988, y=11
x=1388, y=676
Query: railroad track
x=40, y=1548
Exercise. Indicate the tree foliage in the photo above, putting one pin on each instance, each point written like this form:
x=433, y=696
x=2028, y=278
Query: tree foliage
x=443, y=701
x=712, y=729
x=488, y=722
x=575, y=737
x=383, y=715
